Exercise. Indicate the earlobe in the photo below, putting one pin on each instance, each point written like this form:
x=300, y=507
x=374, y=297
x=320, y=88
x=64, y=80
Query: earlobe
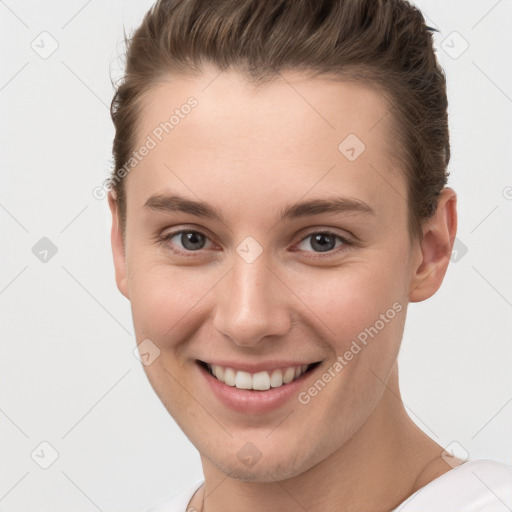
x=118, y=250
x=435, y=249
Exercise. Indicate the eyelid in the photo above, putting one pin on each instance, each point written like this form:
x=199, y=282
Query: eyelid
x=329, y=231
x=166, y=237
x=347, y=241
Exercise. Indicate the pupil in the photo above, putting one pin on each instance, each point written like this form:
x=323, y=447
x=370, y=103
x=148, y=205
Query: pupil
x=194, y=241
x=323, y=247
x=190, y=239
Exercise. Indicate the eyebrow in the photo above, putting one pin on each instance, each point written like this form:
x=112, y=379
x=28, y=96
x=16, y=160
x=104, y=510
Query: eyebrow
x=177, y=203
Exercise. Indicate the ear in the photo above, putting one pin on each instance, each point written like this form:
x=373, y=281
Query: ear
x=118, y=246
x=435, y=250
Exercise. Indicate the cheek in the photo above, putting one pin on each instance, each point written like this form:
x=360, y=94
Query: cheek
x=361, y=313
x=162, y=302
x=365, y=322
x=348, y=301
x=163, y=298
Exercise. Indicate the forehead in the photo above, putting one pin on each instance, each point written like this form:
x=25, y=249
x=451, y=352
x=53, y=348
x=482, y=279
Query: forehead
x=227, y=101
x=292, y=134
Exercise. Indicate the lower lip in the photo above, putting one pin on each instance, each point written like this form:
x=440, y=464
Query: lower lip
x=251, y=401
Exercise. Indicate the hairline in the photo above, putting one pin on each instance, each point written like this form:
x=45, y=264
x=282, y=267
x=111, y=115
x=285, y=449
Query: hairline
x=361, y=75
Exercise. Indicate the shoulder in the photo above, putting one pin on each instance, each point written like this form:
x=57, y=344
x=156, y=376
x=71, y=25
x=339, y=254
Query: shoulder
x=178, y=502
x=481, y=485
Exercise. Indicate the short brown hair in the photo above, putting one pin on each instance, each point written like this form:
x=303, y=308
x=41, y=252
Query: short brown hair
x=384, y=44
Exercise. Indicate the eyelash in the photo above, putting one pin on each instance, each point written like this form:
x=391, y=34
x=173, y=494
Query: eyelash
x=164, y=240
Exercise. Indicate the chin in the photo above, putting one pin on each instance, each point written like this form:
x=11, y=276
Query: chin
x=272, y=465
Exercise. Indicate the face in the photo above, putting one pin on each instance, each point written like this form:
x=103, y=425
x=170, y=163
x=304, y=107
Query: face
x=255, y=287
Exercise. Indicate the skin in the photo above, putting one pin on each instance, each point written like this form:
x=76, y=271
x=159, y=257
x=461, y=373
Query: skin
x=249, y=152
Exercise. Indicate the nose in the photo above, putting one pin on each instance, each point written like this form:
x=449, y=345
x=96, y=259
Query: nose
x=252, y=303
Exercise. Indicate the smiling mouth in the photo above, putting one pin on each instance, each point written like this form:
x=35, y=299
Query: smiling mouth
x=259, y=381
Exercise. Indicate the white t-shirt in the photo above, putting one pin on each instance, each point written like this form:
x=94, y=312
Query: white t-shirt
x=478, y=485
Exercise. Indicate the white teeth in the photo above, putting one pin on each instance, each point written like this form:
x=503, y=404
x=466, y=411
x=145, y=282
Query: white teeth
x=243, y=380
x=289, y=374
x=219, y=372
x=260, y=381
x=229, y=377
x=276, y=379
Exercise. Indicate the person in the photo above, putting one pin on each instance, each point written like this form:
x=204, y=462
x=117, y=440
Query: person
x=278, y=198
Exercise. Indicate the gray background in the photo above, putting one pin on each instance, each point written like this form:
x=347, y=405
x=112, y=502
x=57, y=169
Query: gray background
x=68, y=375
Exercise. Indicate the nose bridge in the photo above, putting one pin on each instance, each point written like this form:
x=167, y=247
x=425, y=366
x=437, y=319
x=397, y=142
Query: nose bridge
x=251, y=305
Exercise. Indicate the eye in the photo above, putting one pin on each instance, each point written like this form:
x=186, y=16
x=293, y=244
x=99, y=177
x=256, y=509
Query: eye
x=187, y=241
x=190, y=241
x=323, y=241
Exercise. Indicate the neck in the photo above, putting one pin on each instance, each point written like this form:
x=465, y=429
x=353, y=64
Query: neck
x=382, y=464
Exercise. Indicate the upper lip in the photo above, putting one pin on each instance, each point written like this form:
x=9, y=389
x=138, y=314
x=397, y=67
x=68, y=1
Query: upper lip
x=255, y=367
